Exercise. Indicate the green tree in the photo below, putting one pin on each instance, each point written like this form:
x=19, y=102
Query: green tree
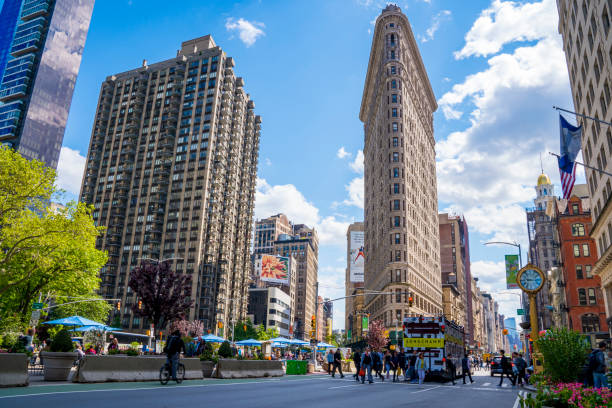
x=564, y=352
x=42, y=251
x=263, y=334
x=225, y=350
x=241, y=334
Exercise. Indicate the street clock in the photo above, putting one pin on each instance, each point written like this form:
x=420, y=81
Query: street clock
x=530, y=279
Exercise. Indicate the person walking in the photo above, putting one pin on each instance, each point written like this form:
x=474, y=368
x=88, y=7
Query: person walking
x=173, y=349
x=357, y=361
x=387, y=363
x=377, y=364
x=330, y=361
x=450, y=367
x=401, y=357
x=421, y=367
x=412, y=369
x=466, y=365
x=521, y=366
x=366, y=365
x=599, y=366
x=394, y=365
x=506, y=369
x=337, y=364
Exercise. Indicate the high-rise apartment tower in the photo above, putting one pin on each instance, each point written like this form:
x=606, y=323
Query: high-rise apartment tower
x=41, y=43
x=585, y=28
x=171, y=172
x=401, y=205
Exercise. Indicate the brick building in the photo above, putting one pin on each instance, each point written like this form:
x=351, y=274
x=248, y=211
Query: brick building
x=583, y=294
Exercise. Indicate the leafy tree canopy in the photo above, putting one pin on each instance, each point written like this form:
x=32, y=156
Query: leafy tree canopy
x=96, y=310
x=263, y=334
x=241, y=334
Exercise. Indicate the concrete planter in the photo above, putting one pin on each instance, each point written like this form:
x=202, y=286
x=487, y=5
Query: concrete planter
x=13, y=370
x=207, y=368
x=58, y=365
x=249, y=368
x=130, y=368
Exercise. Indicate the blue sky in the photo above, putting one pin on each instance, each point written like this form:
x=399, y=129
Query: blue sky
x=496, y=68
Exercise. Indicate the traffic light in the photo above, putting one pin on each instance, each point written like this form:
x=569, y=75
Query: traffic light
x=119, y=305
x=220, y=325
x=410, y=300
x=244, y=326
x=139, y=304
x=314, y=322
x=505, y=331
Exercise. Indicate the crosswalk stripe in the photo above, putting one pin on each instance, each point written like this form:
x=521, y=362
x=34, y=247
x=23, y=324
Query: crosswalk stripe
x=486, y=384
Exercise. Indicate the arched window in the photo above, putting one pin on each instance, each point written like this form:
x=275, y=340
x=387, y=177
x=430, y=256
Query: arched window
x=578, y=230
x=392, y=39
x=544, y=191
x=590, y=323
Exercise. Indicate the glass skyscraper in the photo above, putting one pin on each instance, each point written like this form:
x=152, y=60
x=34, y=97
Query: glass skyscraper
x=41, y=44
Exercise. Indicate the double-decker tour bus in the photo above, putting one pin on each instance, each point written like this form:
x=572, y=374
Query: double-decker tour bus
x=438, y=338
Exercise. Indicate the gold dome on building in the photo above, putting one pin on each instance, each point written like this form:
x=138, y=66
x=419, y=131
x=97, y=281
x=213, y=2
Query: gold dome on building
x=543, y=180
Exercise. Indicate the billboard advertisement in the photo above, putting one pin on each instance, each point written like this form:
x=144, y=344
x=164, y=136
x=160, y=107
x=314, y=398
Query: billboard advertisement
x=357, y=256
x=274, y=269
x=512, y=267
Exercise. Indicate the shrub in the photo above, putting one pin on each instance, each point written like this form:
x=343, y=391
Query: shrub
x=565, y=353
x=132, y=352
x=62, y=342
x=225, y=350
x=112, y=352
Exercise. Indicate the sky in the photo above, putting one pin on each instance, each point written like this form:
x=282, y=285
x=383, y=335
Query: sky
x=496, y=68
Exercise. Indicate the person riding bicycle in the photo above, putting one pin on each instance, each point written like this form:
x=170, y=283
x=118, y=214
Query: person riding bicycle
x=173, y=349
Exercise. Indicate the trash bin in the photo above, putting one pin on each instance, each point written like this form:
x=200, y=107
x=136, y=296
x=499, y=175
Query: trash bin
x=296, y=367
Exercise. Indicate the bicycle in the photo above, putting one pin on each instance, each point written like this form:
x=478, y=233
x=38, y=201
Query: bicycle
x=165, y=373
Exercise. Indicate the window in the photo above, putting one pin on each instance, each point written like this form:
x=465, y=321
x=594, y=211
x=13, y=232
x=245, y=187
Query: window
x=396, y=205
x=575, y=209
x=393, y=70
x=590, y=323
x=395, y=172
x=394, y=127
x=394, y=112
x=398, y=296
x=587, y=269
x=393, y=54
x=398, y=255
x=395, y=142
x=395, y=157
x=576, y=250
x=582, y=299
x=394, y=84
x=397, y=239
x=396, y=221
x=396, y=188
x=578, y=230
x=579, y=272
x=394, y=98
x=592, y=297
x=585, y=250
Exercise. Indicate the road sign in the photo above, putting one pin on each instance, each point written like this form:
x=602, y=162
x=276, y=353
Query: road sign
x=520, y=312
x=35, y=315
x=37, y=306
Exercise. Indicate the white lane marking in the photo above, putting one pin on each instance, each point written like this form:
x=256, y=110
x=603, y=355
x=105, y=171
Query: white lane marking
x=428, y=389
x=152, y=388
x=344, y=386
x=518, y=399
x=486, y=384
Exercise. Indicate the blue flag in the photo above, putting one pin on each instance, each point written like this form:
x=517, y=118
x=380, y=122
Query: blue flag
x=570, y=144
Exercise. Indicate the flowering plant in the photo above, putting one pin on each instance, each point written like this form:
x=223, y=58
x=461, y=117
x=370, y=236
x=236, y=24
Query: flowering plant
x=568, y=395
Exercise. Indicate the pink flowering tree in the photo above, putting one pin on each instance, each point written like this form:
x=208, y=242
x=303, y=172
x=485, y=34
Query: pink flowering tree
x=188, y=328
x=376, y=335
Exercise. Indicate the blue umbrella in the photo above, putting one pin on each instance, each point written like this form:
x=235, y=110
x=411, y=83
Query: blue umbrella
x=299, y=342
x=211, y=338
x=324, y=345
x=249, y=342
x=280, y=340
x=74, y=321
x=92, y=327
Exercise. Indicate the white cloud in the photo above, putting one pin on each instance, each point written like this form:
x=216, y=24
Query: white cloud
x=508, y=21
x=357, y=164
x=342, y=153
x=268, y=162
x=287, y=199
x=248, y=31
x=356, y=192
x=331, y=285
x=70, y=169
x=435, y=25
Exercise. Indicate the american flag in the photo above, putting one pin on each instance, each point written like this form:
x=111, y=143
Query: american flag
x=570, y=145
x=567, y=180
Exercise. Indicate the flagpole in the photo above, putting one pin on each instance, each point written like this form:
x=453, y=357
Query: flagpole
x=585, y=165
x=584, y=116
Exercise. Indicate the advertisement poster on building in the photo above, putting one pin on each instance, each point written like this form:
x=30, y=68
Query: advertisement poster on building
x=512, y=267
x=357, y=255
x=274, y=269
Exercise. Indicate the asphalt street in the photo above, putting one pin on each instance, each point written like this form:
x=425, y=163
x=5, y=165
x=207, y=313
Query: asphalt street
x=290, y=391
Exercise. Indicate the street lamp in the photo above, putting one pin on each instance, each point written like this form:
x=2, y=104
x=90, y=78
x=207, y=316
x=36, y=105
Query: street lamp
x=514, y=244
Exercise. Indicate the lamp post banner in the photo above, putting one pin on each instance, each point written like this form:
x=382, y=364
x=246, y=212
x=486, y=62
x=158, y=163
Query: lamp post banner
x=512, y=262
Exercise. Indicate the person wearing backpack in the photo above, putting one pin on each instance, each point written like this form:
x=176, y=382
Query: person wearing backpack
x=173, y=349
x=357, y=361
x=597, y=362
x=366, y=365
x=377, y=364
